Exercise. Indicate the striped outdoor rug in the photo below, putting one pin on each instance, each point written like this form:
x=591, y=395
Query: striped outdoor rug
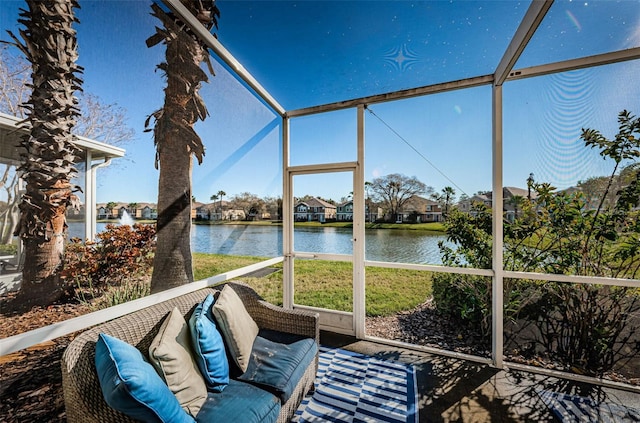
x=352, y=387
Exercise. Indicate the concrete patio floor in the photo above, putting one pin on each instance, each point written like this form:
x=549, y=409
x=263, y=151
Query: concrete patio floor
x=454, y=390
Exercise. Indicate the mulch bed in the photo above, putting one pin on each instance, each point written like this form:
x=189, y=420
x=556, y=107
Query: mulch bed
x=426, y=327
x=31, y=384
x=31, y=379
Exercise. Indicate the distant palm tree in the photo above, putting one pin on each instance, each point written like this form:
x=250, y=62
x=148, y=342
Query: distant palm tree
x=175, y=139
x=213, y=198
x=109, y=206
x=133, y=209
x=220, y=195
x=368, y=203
x=449, y=197
x=50, y=45
x=530, y=184
x=516, y=201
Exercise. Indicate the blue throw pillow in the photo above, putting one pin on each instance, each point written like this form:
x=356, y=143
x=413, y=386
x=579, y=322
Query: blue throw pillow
x=131, y=385
x=208, y=347
x=278, y=367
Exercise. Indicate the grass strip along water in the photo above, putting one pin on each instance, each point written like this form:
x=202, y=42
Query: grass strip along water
x=327, y=284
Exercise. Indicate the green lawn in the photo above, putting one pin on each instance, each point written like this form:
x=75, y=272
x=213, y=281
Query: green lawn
x=327, y=284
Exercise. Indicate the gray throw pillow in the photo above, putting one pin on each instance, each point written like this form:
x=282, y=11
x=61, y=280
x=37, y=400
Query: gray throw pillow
x=171, y=354
x=237, y=326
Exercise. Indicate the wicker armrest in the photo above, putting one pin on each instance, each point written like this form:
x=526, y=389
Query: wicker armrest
x=269, y=316
x=304, y=323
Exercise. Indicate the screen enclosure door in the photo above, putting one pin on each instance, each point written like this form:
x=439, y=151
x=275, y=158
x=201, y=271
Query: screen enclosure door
x=321, y=248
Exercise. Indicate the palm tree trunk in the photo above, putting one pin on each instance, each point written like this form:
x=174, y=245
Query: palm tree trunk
x=176, y=141
x=40, y=281
x=172, y=264
x=50, y=45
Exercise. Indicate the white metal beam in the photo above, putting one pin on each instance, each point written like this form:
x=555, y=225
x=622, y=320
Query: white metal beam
x=573, y=64
x=94, y=189
x=497, y=324
x=322, y=168
x=359, y=305
x=596, y=60
x=430, y=268
x=536, y=12
x=396, y=95
x=89, y=197
x=594, y=280
x=287, y=219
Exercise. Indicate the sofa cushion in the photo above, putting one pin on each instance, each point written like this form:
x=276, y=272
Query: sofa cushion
x=240, y=402
x=171, y=354
x=131, y=385
x=237, y=326
x=208, y=347
x=277, y=363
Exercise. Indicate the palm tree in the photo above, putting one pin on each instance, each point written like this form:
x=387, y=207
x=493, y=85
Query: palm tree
x=109, y=206
x=221, y=194
x=175, y=139
x=133, y=209
x=449, y=195
x=530, y=183
x=50, y=45
x=214, y=198
x=516, y=201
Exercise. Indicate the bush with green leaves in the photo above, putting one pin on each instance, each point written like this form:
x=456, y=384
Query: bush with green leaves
x=113, y=265
x=591, y=231
x=589, y=328
x=8, y=249
x=466, y=299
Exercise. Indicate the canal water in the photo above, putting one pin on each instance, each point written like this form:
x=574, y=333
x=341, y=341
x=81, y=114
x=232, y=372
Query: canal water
x=392, y=245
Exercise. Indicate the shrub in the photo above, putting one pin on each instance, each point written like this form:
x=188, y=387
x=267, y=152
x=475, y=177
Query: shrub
x=468, y=299
x=595, y=232
x=8, y=249
x=588, y=327
x=121, y=255
x=464, y=298
x=129, y=290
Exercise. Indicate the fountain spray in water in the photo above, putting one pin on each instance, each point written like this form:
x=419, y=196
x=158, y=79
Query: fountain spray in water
x=125, y=219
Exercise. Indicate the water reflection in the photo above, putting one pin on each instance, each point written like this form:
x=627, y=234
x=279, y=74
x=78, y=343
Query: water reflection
x=402, y=246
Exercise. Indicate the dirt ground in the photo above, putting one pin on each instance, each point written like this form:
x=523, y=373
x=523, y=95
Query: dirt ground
x=31, y=379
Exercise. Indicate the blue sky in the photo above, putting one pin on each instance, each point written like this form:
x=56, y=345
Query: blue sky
x=307, y=53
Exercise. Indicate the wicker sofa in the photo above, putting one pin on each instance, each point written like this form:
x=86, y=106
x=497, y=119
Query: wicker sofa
x=83, y=397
